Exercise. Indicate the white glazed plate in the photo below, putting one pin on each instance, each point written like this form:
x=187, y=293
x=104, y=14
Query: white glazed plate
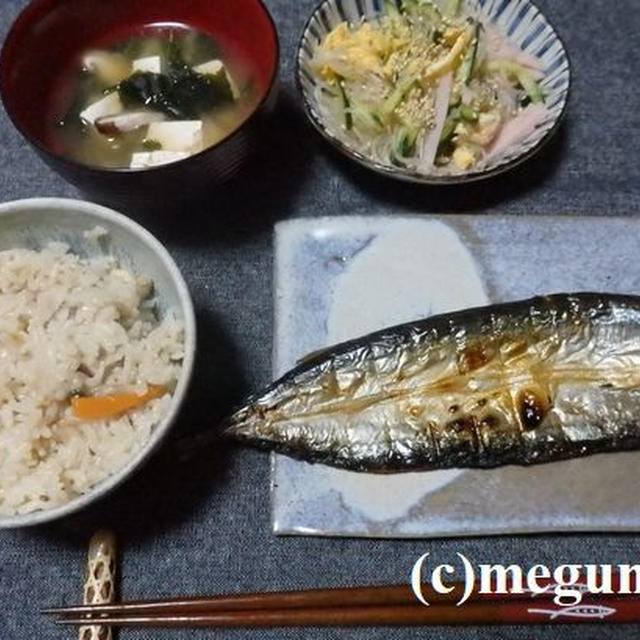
x=337, y=276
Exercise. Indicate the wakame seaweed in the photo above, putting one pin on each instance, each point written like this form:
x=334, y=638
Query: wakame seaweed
x=181, y=93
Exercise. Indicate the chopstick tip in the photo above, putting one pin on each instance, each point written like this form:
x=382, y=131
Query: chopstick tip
x=71, y=622
x=63, y=622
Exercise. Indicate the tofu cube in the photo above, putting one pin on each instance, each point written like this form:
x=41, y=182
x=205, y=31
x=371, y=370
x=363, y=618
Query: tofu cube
x=177, y=135
x=110, y=105
x=151, y=64
x=146, y=159
x=210, y=68
x=218, y=71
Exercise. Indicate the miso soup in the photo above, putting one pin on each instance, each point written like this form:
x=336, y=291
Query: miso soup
x=155, y=98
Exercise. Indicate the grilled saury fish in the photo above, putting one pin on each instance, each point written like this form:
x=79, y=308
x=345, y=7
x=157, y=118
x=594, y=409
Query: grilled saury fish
x=521, y=383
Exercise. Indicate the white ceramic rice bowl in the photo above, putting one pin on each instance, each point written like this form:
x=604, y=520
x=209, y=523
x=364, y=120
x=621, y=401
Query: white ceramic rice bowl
x=32, y=224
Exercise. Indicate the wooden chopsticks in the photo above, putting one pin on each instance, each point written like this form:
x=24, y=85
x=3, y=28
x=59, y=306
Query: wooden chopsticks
x=353, y=596
x=358, y=606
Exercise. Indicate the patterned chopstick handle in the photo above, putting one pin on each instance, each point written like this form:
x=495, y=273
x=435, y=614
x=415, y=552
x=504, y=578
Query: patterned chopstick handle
x=99, y=587
x=605, y=610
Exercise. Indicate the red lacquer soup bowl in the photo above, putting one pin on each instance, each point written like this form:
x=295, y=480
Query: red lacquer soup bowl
x=48, y=36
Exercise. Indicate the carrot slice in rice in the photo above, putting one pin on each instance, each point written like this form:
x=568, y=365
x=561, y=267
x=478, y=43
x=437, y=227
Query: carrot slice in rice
x=110, y=406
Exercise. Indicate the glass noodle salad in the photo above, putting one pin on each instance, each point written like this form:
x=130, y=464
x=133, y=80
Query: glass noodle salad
x=426, y=87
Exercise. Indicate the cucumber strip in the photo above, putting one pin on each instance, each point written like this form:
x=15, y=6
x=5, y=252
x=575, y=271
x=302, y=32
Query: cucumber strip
x=395, y=98
x=468, y=114
x=366, y=118
x=523, y=76
x=425, y=8
x=390, y=8
x=449, y=127
x=465, y=71
x=405, y=141
x=408, y=5
x=531, y=86
x=346, y=105
x=452, y=8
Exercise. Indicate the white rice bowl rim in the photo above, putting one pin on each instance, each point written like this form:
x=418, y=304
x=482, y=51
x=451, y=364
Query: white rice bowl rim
x=90, y=215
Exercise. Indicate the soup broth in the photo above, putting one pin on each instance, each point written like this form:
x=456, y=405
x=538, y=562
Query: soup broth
x=152, y=99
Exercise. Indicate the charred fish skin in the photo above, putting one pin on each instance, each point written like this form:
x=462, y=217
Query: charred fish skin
x=520, y=383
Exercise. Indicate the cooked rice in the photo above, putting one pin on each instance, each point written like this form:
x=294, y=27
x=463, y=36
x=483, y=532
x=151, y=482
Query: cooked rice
x=70, y=326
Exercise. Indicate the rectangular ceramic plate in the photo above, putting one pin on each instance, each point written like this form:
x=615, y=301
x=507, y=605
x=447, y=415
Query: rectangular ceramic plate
x=516, y=258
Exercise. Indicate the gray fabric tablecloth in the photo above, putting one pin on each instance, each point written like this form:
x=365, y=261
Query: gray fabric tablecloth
x=203, y=525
